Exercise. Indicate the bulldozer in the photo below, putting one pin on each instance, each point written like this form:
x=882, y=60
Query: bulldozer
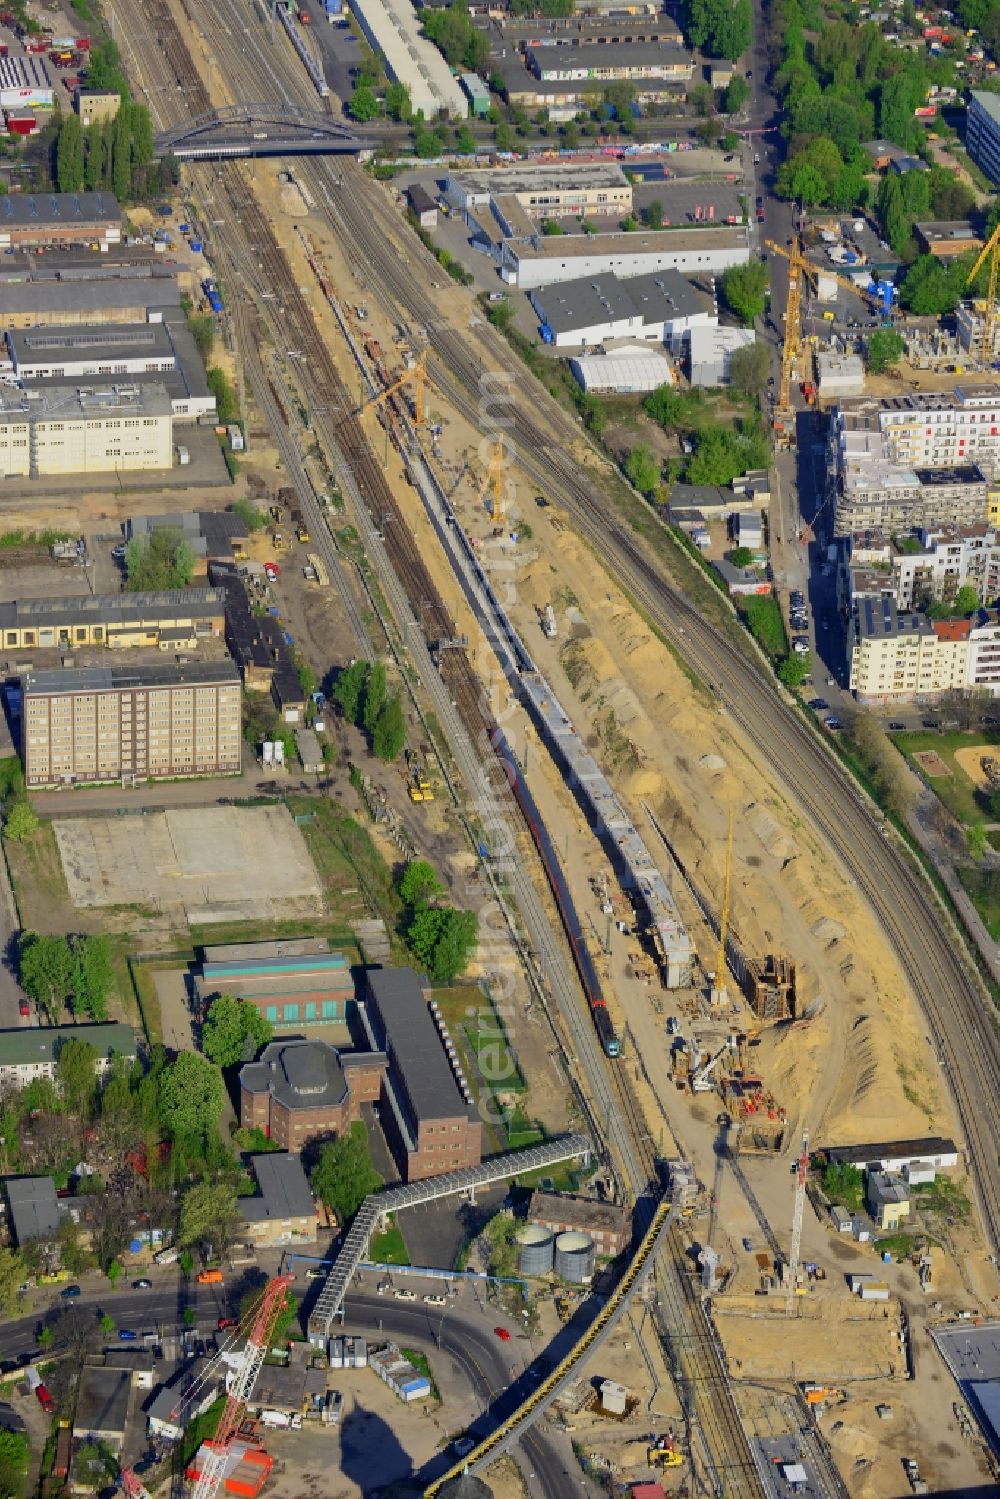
x=663, y=1454
x=419, y=788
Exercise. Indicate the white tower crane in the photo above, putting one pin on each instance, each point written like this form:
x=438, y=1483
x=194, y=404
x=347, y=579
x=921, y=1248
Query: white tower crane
x=800, y=1202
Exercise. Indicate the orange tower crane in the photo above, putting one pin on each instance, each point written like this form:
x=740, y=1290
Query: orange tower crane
x=417, y=375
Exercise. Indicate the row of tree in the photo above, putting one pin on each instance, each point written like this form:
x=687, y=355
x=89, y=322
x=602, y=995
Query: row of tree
x=361, y=692
x=441, y=937
x=112, y=155
x=75, y=971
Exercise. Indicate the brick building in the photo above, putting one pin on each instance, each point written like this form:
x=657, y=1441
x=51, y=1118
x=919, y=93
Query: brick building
x=299, y=1090
x=291, y=982
x=430, y=1122
x=607, y=1224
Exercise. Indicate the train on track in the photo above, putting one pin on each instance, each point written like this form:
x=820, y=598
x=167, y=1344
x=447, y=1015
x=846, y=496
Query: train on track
x=589, y=978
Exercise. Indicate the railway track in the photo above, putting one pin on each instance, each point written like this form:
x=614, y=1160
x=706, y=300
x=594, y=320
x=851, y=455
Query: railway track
x=954, y=1002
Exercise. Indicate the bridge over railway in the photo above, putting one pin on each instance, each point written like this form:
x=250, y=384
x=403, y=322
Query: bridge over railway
x=258, y=130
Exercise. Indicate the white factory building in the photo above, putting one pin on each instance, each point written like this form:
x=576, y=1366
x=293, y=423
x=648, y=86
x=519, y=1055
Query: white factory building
x=633, y=369
x=712, y=350
x=546, y=191
x=543, y=260
x=120, y=429
x=76, y=353
x=392, y=30
x=661, y=307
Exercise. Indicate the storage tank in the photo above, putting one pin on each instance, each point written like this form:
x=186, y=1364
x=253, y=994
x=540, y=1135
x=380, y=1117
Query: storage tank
x=537, y=1245
x=574, y=1258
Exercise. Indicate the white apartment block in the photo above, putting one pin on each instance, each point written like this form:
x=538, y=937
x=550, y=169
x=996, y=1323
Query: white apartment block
x=31, y=1052
x=874, y=491
x=123, y=429
x=896, y=657
x=118, y=723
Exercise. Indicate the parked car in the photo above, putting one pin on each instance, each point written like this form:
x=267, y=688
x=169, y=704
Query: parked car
x=24, y=1007
x=832, y=722
x=435, y=1300
x=126, y=1335
x=502, y=1334
x=818, y=704
x=405, y=1294
x=142, y=1285
x=748, y=1246
x=896, y=727
x=118, y=552
x=209, y=1277
x=68, y=1292
x=225, y=1322
x=316, y=1272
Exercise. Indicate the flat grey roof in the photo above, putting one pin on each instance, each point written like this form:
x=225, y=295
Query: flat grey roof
x=664, y=242
x=583, y=303
x=22, y=297
x=406, y=1030
x=38, y=210
x=41, y=1043
x=989, y=103
x=122, y=678
x=884, y=1150
x=102, y=1400
x=62, y=345
x=552, y=177
x=213, y=524
x=877, y=619
x=284, y=1190
x=70, y=399
x=667, y=294
x=117, y=608
x=596, y=54
x=34, y=1207
x=935, y=229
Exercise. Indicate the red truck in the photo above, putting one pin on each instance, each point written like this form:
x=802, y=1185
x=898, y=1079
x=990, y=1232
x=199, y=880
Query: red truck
x=44, y=1399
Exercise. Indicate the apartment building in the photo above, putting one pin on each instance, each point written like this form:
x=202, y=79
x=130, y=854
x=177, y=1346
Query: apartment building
x=924, y=567
x=927, y=429
x=881, y=477
x=171, y=619
x=982, y=133
x=32, y=1053
x=115, y=430
x=120, y=723
x=895, y=657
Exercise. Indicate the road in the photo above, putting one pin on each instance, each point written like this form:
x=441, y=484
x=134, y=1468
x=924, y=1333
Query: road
x=11, y=993
x=464, y=1332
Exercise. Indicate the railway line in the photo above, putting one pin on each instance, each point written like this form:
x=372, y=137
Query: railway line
x=715, y=1429
x=954, y=1002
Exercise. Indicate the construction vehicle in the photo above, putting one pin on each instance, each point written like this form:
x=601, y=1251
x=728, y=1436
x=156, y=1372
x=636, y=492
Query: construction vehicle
x=302, y=533
x=419, y=788
x=415, y=374
x=817, y=1394
x=991, y=249
x=990, y=766
x=663, y=1454
x=277, y=514
x=701, y=1081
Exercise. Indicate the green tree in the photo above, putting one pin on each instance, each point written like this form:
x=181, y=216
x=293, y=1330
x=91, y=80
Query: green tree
x=121, y=155
x=642, y=468
x=418, y=883
x=20, y=821
x=456, y=942
x=76, y=1075
x=736, y=95
x=397, y=101
x=551, y=227
x=253, y=518
x=654, y=214
x=44, y=1340
x=931, y=288
x=720, y=28
x=107, y=1324
x=721, y=455
x=744, y=290
x=465, y=142
x=389, y=734
x=93, y=976
x=966, y=600
x=208, y=1217
x=885, y=348
x=14, y=1454
x=114, y=1272
x=191, y=1098
x=794, y=668
x=69, y=155
x=348, y=690
x=163, y=559
x=750, y=367
x=343, y=1175
x=503, y=137
x=844, y=1184
x=46, y=969
x=364, y=104
x=12, y=1274
x=374, y=696
x=190, y=1316
x=235, y=1031
x=741, y=556
x=143, y=148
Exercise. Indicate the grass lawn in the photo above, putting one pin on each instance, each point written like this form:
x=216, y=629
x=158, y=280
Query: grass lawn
x=983, y=888
x=900, y=1246
x=389, y=1247
x=356, y=879
x=763, y=617
x=419, y=1362
x=956, y=791
x=40, y=888
x=942, y=1196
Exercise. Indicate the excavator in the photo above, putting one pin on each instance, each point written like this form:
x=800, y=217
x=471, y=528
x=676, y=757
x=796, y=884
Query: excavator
x=663, y=1454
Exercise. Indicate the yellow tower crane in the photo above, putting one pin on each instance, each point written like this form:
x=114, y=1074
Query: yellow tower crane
x=799, y=270
x=495, y=482
x=417, y=374
x=992, y=249
x=719, y=993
